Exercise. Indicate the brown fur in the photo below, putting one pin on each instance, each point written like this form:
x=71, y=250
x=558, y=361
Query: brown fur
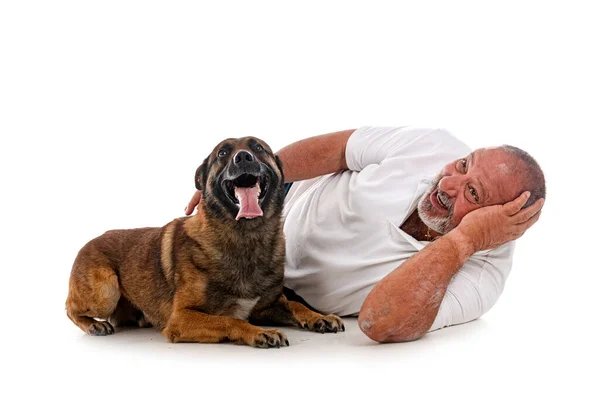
x=199, y=278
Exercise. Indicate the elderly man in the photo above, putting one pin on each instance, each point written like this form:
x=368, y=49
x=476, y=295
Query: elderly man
x=374, y=229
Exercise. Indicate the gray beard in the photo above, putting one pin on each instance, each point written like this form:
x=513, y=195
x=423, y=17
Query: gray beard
x=442, y=225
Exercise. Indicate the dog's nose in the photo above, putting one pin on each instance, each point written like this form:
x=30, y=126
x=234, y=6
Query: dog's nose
x=242, y=157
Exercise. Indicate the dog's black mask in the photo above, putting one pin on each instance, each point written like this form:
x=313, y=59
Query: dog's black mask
x=241, y=180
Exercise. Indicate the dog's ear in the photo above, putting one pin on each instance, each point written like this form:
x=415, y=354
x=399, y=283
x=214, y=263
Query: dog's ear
x=280, y=166
x=200, y=179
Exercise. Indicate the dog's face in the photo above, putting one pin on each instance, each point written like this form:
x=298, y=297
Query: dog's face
x=241, y=179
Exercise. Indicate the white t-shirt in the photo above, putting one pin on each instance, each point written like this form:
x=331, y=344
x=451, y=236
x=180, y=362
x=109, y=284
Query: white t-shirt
x=343, y=230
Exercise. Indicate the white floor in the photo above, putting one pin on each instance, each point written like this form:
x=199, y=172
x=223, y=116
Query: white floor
x=349, y=346
x=487, y=359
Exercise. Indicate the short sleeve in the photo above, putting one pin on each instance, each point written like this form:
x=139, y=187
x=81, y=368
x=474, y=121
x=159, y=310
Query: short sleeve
x=372, y=145
x=476, y=287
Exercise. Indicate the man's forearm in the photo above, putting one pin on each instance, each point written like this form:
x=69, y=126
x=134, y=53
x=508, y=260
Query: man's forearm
x=315, y=156
x=404, y=304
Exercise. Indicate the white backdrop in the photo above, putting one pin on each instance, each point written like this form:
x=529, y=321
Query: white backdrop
x=107, y=108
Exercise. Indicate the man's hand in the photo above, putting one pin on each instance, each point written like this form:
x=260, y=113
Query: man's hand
x=492, y=226
x=189, y=209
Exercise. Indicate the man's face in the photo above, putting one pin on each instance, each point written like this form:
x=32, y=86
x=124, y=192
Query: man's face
x=488, y=176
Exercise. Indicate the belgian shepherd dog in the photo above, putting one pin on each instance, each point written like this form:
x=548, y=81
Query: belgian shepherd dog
x=206, y=278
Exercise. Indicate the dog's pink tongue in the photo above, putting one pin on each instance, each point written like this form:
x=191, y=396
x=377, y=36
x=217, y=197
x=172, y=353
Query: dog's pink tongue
x=248, y=198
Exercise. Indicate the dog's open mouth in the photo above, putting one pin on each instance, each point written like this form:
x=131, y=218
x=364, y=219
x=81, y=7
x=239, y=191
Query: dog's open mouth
x=247, y=191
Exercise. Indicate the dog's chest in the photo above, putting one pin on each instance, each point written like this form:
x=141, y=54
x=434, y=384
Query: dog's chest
x=241, y=308
x=238, y=283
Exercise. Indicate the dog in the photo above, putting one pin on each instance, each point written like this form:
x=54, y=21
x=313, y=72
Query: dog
x=212, y=277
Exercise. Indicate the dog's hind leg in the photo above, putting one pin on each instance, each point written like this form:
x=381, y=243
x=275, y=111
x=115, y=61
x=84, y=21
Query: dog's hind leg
x=93, y=293
x=125, y=314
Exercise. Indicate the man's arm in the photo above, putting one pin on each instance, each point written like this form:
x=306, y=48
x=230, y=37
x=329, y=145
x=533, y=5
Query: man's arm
x=305, y=159
x=315, y=156
x=404, y=304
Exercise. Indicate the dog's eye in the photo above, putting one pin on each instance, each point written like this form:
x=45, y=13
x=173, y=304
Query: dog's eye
x=223, y=153
x=258, y=147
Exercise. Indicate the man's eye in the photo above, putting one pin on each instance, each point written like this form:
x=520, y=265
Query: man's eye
x=223, y=153
x=463, y=163
x=474, y=194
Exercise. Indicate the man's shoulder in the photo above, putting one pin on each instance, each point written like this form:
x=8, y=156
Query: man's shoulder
x=412, y=135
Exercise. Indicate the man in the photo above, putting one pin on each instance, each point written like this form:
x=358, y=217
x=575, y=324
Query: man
x=374, y=229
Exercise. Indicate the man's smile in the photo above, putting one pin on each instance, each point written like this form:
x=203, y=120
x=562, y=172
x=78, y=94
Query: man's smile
x=439, y=201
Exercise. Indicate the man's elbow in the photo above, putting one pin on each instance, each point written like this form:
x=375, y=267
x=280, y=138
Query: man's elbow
x=381, y=331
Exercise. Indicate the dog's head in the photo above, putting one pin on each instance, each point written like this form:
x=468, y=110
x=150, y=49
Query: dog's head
x=241, y=179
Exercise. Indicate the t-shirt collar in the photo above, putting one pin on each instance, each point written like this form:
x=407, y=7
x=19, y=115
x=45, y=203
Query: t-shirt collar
x=421, y=188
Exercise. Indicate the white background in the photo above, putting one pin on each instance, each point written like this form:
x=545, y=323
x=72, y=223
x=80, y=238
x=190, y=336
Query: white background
x=107, y=108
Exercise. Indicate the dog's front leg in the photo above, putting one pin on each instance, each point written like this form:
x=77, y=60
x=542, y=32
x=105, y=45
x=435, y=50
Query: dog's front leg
x=186, y=325
x=291, y=313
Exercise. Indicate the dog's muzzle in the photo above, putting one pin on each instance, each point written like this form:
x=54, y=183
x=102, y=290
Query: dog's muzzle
x=246, y=183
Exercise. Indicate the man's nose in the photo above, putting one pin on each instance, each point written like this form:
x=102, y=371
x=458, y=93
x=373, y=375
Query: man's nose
x=242, y=158
x=450, y=184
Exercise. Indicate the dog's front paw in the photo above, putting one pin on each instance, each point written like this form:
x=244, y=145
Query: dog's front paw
x=324, y=324
x=269, y=339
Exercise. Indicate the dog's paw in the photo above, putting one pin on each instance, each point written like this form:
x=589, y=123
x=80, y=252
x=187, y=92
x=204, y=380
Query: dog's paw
x=269, y=339
x=143, y=323
x=324, y=324
x=100, y=329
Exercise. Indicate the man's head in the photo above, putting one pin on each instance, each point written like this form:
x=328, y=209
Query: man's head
x=488, y=176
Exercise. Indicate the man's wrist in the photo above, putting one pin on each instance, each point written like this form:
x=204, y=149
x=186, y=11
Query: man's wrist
x=462, y=242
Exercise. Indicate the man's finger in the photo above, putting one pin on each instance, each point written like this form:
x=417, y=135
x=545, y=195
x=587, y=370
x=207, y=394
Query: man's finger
x=511, y=208
x=530, y=211
x=525, y=226
x=189, y=209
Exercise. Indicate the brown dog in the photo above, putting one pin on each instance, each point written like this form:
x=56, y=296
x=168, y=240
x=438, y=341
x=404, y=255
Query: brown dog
x=200, y=278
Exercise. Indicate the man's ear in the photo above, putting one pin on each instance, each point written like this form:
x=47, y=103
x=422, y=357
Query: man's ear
x=280, y=166
x=200, y=179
